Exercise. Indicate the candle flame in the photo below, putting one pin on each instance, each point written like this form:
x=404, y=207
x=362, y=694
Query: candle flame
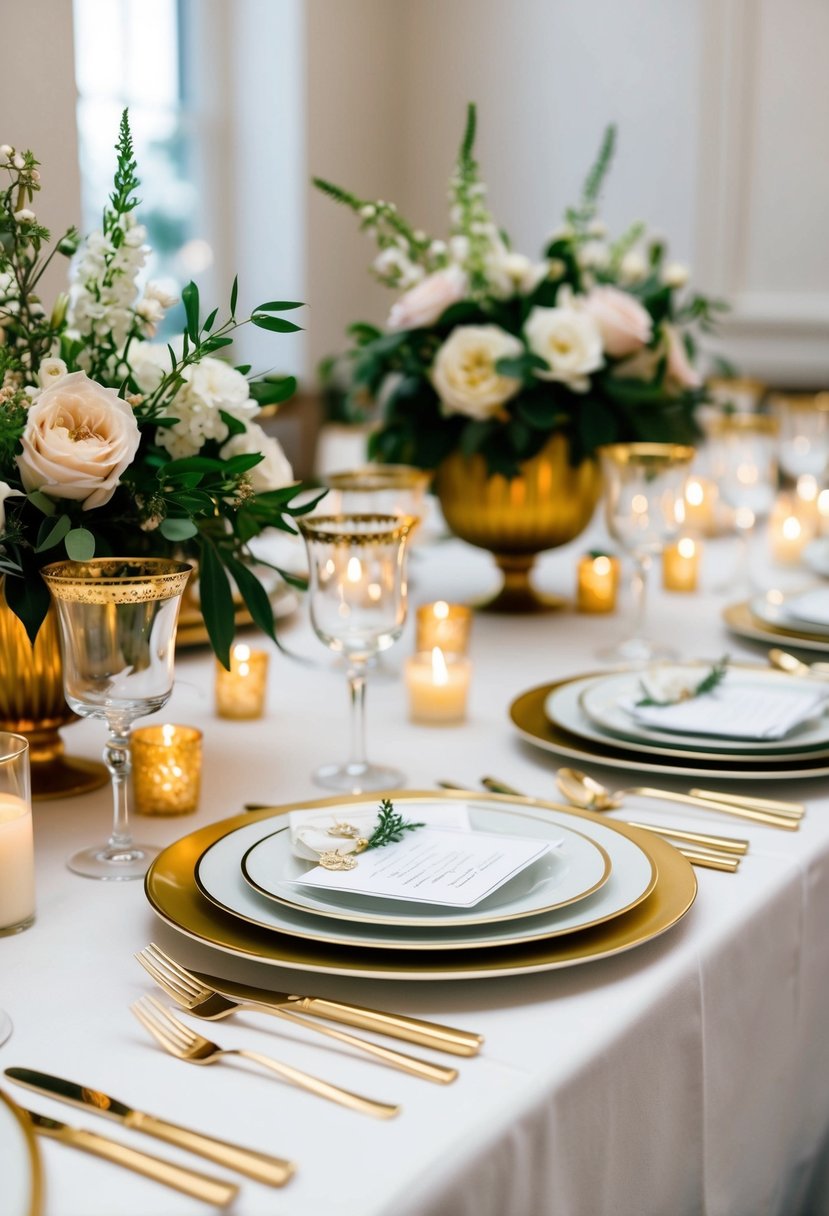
x=686, y=547
x=807, y=487
x=791, y=528
x=354, y=571
x=241, y=652
x=441, y=610
x=601, y=565
x=168, y=734
x=440, y=674
x=695, y=493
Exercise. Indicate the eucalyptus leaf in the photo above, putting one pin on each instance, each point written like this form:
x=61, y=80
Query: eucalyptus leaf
x=42, y=501
x=178, y=529
x=80, y=545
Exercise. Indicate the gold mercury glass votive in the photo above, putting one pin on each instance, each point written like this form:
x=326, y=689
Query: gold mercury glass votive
x=680, y=565
x=597, y=583
x=166, y=769
x=240, y=692
x=445, y=625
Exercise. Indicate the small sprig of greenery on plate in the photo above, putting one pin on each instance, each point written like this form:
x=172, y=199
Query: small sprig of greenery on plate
x=390, y=826
x=710, y=681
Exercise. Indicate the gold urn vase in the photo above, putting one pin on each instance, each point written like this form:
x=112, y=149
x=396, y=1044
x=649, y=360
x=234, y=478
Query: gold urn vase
x=32, y=704
x=548, y=504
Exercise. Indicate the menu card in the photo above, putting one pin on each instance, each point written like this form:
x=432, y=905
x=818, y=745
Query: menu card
x=435, y=865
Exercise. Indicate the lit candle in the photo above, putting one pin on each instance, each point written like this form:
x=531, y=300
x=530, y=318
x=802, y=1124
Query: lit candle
x=789, y=531
x=597, y=583
x=166, y=769
x=17, y=865
x=240, y=692
x=444, y=625
x=680, y=565
x=700, y=502
x=438, y=685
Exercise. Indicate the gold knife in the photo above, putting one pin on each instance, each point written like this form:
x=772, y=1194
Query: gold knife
x=189, y=1182
x=395, y=1025
x=273, y=1171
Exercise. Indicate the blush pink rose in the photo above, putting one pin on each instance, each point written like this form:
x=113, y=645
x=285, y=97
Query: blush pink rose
x=79, y=439
x=679, y=369
x=424, y=303
x=624, y=324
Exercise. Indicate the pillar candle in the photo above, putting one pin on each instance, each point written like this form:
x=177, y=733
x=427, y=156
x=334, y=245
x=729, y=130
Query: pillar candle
x=240, y=692
x=680, y=565
x=17, y=865
x=438, y=685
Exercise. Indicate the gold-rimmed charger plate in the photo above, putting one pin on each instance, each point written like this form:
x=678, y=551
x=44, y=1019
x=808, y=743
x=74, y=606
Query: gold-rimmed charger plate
x=741, y=620
x=21, y=1170
x=172, y=893
x=528, y=716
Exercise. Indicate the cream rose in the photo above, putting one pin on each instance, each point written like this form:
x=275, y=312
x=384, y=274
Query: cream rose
x=568, y=339
x=425, y=302
x=464, y=374
x=624, y=324
x=274, y=471
x=79, y=439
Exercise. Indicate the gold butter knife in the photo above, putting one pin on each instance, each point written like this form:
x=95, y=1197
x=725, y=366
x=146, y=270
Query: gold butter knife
x=273, y=1171
x=395, y=1025
x=189, y=1182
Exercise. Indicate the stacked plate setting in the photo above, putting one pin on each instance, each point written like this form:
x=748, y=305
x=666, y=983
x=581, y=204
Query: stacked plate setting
x=588, y=718
x=601, y=888
x=798, y=619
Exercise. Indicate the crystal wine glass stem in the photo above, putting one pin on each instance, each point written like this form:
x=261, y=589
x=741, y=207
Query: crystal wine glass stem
x=357, y=691
x=118, y=761
x=642, y=565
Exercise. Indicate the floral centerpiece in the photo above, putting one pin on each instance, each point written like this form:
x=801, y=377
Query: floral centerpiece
x=489, y=351
x=111, y=443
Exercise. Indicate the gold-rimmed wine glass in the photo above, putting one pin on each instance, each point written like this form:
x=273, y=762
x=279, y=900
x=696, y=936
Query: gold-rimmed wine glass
x=358, y=598
x=117, y=619
x=644, y=497
x=744, y=465
x=386, y=489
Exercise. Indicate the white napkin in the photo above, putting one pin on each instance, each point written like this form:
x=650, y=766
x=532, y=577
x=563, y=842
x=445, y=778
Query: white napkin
x=310, y=833
x=810, y=606
x=735, y=711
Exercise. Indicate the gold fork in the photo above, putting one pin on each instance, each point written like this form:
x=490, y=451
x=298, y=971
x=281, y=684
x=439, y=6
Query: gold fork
x=191, y=994
x=180, y=1041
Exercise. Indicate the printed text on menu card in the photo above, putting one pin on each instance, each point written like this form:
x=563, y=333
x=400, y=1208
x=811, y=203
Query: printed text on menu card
x=435, y=866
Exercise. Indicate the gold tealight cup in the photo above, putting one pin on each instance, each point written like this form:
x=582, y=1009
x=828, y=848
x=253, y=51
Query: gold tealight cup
x=166, y=769
x=240, y=692
x=444, y=625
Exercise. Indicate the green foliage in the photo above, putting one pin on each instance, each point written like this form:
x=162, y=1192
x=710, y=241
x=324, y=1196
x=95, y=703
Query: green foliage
x=390, y=827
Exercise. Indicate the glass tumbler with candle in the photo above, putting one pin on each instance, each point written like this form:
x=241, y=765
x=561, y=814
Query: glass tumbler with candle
x=358, y=598
x=117, y=619
x=644, y=488
x=17, y=863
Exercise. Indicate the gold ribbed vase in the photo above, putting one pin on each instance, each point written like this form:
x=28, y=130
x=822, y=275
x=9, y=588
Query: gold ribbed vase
x=32, y=704
x=547, y=505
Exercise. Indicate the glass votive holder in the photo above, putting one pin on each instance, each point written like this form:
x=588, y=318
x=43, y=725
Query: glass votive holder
x=166, y=769
x=680, y=565
x=790, y=530
x=17, y=857
x=240, y=692
x=438, y=686
x=597, y=583
x=447, y=626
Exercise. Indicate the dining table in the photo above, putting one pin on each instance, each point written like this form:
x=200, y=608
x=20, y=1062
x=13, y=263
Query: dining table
x=688, y=1075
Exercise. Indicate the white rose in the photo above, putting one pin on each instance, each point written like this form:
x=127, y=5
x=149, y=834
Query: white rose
x=634, y=268
x=464, y=373
x=50, y=370
x=6, y=491
x=149, y=364
x=624, y=324
x=675, y=274
x=514, y=273
x=569, y=339
x=219, y=385
x=274, y=471
x=79, y=439
x=432, y=296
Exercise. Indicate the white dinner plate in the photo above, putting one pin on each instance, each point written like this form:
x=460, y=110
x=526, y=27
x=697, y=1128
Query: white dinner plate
x=20, y=1170
x=599, y=700
x=780, y=611
x=631, y=879
x=741, y=621
x=573, y=869
x=816, y=556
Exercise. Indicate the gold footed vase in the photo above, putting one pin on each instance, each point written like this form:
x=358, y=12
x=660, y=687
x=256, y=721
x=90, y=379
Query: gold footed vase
x=32, y=704
x=547, y=505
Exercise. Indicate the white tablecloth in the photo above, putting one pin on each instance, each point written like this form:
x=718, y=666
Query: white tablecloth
x=690, y=1075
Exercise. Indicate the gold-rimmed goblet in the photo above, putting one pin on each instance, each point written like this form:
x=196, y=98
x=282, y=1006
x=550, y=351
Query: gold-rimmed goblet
x=358, y=599
x=117, y=619
x=644, y=497
x=744, y=464
x=386, y=489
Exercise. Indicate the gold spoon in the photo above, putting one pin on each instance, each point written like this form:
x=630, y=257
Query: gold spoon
x=783, y=661
x=584, y=791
